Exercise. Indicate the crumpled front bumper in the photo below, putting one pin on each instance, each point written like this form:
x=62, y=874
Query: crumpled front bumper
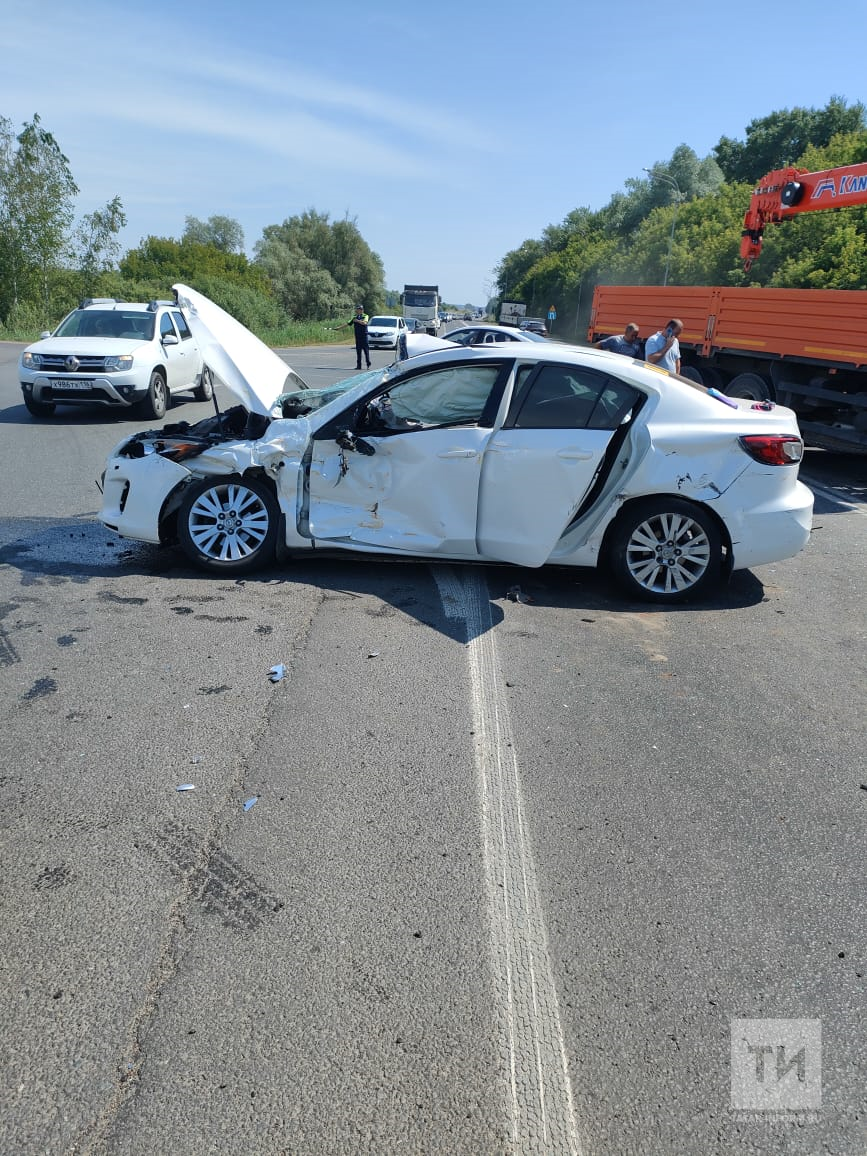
x=135, y=492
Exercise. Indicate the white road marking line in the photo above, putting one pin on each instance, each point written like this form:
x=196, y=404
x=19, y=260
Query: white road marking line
x=541, y=1106
x=833, y=496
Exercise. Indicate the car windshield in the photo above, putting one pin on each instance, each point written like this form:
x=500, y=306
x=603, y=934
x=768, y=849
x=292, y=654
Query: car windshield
x=298, y=402
x=133, y=325
x=384, y=322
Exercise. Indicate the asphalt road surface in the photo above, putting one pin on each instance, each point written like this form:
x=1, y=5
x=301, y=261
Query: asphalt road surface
x=515, y=875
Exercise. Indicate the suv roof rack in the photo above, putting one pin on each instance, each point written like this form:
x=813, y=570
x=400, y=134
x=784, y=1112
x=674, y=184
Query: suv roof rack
x=153, y=304
x=85, y=301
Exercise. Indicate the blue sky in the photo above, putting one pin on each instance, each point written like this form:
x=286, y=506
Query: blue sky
x=450, y=131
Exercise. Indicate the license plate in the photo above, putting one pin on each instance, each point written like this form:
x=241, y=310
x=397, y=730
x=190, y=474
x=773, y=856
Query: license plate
x=72, y=383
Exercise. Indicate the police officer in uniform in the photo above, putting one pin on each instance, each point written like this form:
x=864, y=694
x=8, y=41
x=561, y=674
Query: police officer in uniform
x=359, y=322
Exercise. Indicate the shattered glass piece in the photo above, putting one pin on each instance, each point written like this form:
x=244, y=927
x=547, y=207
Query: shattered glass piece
x=276, y=672
x=186, y=787
x=248, y=803
x=373, y=654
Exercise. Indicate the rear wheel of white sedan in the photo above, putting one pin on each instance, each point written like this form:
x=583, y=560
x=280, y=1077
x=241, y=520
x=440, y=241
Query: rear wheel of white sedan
x=229, y=525
x=665, y=550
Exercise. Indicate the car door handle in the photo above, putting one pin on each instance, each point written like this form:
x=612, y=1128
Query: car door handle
x=457, y=454
x=575, y=455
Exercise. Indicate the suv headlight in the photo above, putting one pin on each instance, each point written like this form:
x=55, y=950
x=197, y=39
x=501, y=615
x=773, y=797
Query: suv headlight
x=31, y=360
x=119, y=363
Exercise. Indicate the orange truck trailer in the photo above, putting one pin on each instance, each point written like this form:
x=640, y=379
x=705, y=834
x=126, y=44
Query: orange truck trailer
x=802, y=348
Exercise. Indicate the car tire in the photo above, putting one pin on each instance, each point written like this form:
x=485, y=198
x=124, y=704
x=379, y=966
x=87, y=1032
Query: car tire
x=665, y=550
x=229, y=525
x=156, y=400
x=204, y=391
x=39, y=408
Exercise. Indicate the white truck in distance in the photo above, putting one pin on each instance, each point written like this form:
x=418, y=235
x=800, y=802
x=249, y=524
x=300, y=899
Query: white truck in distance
x=512, y=312
x=423, y=303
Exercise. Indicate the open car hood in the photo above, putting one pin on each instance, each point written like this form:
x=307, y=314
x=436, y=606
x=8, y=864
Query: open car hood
x=253, y=372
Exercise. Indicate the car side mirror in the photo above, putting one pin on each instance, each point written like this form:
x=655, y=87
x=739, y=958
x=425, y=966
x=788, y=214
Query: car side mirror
x=44, y=334
x=169, y=339
x=347, y=440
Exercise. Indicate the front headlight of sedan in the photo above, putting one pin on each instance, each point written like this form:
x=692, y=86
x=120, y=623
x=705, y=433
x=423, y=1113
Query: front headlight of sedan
x=119, y=363
x=31, y=360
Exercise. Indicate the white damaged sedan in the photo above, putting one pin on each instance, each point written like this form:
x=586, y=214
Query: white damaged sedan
x=524, y=453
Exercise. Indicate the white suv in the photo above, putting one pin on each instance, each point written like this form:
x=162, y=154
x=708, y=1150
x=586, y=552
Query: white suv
x=118, y=354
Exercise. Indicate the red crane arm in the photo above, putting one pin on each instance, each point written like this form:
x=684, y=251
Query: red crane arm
x=787, y=192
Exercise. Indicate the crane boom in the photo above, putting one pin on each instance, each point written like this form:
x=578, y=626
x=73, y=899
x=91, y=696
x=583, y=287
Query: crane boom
x=785, y=193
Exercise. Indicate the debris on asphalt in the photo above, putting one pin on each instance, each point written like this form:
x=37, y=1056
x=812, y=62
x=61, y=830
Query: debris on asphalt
x=373, y=654
x=276, y=672
x=248, y=803
x=516, y=594
x=186, y=787
x=196, y=759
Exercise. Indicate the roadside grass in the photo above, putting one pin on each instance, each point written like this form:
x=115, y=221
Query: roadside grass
x=306, y=333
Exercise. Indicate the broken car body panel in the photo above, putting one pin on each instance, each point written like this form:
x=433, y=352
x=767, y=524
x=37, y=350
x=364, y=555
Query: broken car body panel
x=521, y=453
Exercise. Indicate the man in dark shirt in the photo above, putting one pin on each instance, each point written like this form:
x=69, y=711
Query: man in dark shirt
x=628, y=344
x=359, y=322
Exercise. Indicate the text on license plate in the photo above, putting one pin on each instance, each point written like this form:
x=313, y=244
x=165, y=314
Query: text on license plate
x=72, y=383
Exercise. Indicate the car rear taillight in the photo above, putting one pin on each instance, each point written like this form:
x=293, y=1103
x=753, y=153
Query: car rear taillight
x=773, y=449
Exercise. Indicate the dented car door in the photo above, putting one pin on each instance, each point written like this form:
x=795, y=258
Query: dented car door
x=402, y=472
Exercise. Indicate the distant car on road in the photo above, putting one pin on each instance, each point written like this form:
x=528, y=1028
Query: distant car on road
x=117, y=354
x=534, y=325
x=489, y=335
x=384, y=332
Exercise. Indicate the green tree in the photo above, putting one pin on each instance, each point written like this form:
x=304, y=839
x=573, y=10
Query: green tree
x=164, y=261
x=96, y=243
x=778, y=140
x=223, y=233
x=308, y=246
x=37, y=194
x=301, y=286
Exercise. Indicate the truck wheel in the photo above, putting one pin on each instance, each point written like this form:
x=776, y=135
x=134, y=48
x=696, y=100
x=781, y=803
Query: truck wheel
x=229, y=525
x=752, y=386
x=156, y=400
x=204, y=391
x=665, y=550
x=38, y=408
x=712, y=378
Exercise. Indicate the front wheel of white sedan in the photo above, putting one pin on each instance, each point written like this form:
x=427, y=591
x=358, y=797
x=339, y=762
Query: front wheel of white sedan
x=665, y=550
x=229, y=525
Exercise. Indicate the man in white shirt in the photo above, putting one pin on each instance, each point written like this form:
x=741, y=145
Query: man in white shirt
x=663, y=348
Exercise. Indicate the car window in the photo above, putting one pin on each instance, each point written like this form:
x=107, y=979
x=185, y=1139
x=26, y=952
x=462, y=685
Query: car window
x=183, y=328
x=166, y=326
x=462, y=336
x=453, y=396
x=570, y=397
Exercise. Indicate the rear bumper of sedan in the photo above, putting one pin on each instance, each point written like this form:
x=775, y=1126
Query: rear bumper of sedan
x=772, y=530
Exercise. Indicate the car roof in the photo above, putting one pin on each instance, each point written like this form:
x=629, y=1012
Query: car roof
x=137, y=306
